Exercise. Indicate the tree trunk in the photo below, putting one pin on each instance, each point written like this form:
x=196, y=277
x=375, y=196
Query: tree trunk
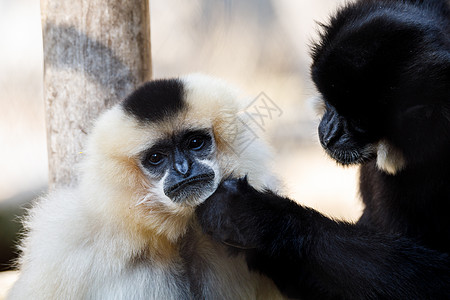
x=95, y=53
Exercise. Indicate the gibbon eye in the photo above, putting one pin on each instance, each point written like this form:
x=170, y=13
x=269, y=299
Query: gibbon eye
x=358, y=127
x=155, y=158
x=196, y=143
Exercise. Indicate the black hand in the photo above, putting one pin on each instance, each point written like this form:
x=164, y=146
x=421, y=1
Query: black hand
x=224, y=213
x=241, y=216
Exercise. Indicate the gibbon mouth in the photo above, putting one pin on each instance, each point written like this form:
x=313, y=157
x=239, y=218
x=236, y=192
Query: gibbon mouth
x=173, y=190
x=351, y=156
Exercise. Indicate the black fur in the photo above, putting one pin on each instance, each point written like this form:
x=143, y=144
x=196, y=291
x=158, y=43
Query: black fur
x=156, y=100
x=383, y=68
x=389, y=60
x=312, y=257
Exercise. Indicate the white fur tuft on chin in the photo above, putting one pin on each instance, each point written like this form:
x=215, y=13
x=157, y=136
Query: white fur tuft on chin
x=389, y=158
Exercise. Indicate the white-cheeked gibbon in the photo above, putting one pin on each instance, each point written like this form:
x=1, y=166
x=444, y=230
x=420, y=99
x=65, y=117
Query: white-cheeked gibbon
x=128, y=230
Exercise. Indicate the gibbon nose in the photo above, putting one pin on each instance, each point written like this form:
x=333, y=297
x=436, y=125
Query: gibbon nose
x=182, y=167
x=181, y=163
x=330, y=129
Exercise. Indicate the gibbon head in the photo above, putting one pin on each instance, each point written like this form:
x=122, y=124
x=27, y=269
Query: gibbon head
x=164, y=149
x=384, y=81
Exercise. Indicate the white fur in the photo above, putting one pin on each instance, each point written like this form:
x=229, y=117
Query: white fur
x=389, y=158
x=317, y=104
x=117, y=236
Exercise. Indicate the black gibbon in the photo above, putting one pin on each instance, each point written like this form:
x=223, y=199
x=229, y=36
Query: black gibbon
x=383, y=71
x=129, y=230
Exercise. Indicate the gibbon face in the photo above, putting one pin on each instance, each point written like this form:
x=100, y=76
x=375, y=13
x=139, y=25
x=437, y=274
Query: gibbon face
x=384, y=84
x=184, y=165
x=164, y=150
x=181, y=162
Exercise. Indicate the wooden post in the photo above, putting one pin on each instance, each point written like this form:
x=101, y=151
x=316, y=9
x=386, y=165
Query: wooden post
x=95, y=53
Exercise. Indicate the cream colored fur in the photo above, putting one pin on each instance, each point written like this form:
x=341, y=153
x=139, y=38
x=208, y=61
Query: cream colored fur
x=117, y=236
x=317, y=105
x=389, y=158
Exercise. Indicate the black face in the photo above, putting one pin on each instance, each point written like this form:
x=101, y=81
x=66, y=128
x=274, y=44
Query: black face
x=346, y=140
x=382, y=80
x=181, y=162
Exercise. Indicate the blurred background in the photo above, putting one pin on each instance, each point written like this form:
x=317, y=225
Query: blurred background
x=258, y=45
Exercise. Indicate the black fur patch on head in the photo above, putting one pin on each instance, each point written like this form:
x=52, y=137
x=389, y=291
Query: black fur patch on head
x=156, y=100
